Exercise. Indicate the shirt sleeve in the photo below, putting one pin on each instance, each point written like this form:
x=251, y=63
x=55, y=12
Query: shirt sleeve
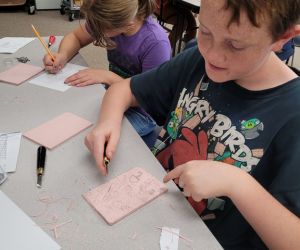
x=156, y=90
x=286, y=158
x=156, y=55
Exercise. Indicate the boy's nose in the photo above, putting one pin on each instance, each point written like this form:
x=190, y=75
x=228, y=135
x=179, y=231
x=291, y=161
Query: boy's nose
x=215, y=55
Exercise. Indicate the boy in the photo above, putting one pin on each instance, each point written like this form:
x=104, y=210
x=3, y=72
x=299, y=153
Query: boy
x=231, y=116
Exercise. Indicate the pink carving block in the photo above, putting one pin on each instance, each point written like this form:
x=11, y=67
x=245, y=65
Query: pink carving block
x=57, y=130
x=124, y=194
x=19, y=73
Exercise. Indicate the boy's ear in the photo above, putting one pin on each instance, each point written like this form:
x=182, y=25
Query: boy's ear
x=288, y=35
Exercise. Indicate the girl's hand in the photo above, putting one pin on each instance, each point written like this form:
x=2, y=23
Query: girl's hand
x=204, y=179
x=105, y=132
x=57, y=65
x=87, y=77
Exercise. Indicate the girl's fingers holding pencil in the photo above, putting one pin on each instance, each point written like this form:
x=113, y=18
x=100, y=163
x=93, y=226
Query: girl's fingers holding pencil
x=56, y=65
x=52, y=69
x=47, y=60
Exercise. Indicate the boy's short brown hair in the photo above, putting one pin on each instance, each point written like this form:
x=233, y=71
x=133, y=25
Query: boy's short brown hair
x=283, y=14
x=102, y=15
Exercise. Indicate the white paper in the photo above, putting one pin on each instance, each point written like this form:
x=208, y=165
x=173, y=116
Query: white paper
x=193, y=2
x=9, y=150
x=10, y=45
x=169, y=238
x=3, y=175
x=56, y=81
x=18, y=231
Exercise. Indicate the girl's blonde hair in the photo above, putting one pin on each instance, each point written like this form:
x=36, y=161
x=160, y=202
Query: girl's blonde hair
x=103, y=15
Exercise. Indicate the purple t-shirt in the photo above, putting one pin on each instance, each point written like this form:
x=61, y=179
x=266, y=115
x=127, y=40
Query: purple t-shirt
x=144, y=50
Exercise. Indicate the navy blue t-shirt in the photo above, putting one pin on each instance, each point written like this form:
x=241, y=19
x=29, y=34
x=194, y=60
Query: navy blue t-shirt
x=256, y=131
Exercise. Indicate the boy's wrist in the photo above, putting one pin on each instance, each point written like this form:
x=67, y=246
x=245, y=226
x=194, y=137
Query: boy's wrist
x=238, y=182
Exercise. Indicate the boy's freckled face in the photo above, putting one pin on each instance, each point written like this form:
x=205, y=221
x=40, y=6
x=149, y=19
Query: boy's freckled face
x=236, y=52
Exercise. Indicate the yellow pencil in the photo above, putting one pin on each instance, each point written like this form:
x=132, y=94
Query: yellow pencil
x=43, y=42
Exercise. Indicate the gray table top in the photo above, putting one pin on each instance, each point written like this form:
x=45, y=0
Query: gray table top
x=71, y=172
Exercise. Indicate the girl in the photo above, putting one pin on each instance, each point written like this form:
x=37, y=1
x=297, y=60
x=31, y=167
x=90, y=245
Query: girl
x=135, y=43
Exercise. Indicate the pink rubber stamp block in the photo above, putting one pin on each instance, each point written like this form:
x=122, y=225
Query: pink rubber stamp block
x=124, y=194
x=57, y=130
x=19, y=73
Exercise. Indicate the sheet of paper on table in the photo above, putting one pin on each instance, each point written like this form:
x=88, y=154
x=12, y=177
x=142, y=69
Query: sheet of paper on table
x=57, y=81
x=169, y=238
x=10, y=45
x=9, y=150
x=18, y=231
x=124, y=194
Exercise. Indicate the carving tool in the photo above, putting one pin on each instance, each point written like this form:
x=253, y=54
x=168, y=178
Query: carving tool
x=51, y=40
x=41, y=158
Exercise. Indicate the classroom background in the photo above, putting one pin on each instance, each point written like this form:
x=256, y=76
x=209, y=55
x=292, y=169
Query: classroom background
x=16, y=22
x=74, y=224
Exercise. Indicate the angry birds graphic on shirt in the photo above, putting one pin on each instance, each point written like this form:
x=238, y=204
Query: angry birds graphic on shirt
x=205, y=134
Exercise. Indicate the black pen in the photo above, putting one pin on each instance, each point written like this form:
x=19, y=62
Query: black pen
x=41, y=158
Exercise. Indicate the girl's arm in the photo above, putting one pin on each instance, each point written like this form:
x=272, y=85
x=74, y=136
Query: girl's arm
x=69, y=46
x=92, y=76
x=74, y=41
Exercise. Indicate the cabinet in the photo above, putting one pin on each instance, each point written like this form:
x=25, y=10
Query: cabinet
x=48, y=4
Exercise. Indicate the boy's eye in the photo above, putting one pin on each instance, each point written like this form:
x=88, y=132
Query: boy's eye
x=204, y=32
x=235, y=47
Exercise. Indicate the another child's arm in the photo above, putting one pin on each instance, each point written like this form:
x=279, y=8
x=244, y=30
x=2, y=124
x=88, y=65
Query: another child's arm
x=69, y=46
x=275, y=224
x=92, y=76
x=157, y=55
x=117, y=100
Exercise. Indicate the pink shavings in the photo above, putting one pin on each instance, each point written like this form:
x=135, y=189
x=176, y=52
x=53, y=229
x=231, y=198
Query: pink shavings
x=133, y=237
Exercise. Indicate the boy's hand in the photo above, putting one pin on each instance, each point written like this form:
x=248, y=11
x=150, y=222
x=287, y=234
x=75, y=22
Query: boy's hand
x=57, y=65
x=87, y=77
x=203, y=179
x=96, y=139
